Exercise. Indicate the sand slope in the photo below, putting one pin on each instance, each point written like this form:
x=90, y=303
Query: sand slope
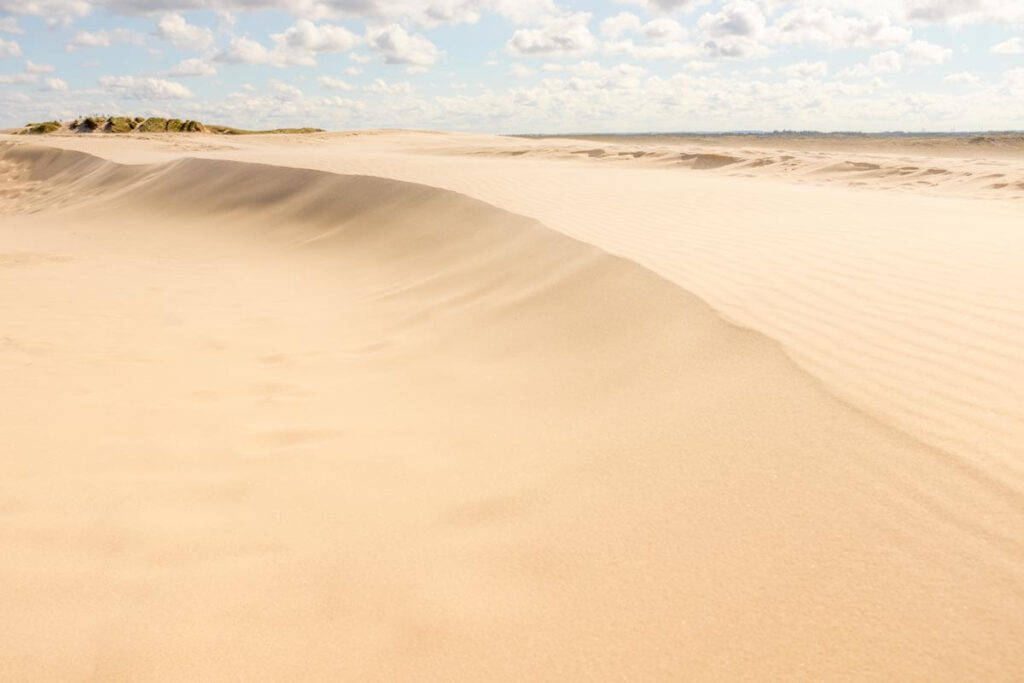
x=268, y=423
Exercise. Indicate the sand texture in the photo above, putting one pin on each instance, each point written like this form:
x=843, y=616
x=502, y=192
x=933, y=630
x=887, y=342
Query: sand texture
x=405, y=406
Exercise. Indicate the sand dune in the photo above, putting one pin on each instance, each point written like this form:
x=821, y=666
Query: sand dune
x=268, y=423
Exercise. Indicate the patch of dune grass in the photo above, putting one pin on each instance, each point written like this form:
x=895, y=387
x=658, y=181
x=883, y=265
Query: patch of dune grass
x=120, y=124
x=153, y=124
x=42, y=128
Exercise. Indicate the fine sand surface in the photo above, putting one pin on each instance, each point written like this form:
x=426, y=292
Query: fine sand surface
x=426, y=407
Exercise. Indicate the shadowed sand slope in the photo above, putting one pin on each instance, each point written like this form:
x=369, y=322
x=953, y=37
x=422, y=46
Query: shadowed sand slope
x=264, y=423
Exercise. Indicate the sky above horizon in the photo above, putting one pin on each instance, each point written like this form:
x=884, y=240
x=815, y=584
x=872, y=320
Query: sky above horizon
x=521, y=66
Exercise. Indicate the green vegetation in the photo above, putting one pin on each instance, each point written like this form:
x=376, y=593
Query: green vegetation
x=153, y=124
x=227, y=130
x=42, y=128
x=120, y=124
x=159, y=125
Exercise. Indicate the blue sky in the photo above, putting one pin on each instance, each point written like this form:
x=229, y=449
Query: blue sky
x=521, y=65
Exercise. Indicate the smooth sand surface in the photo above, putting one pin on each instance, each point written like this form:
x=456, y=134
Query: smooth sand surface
x=431, y=407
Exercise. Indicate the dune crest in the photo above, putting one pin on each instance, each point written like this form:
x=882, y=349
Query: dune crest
x=269, y=423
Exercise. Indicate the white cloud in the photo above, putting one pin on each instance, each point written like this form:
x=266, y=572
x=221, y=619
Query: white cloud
x=145, y=88
x=1013, y=46
x=964, y=12
x=104, y=39
x=623, y=22
x=734, y=31
x=14, y=79
x=301, y=43
x=962, y=78
x=284, y=91
x=663, y=29
x=886, y=62
x=56, y=85
x=806, y=70
x=667, y=5
x=822, y=25
x=174, y=28
x=383, y=87
x=737, y=18
x=10, y=25
x=333, y=83
x=194, y=66
x=225, y=21
x=665, y=38
x=242, y=50
x=53, y=9
x=9, y=48
x=34, y=68
x=591, y=76
x=520, y=71
x=923, y=53
x=563, y=36
x=397, y=46
x=673, y=50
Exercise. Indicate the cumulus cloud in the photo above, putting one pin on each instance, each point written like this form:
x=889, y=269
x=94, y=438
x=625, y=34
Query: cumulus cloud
x=735, y=30
x=886, y=62
x=963, y=12
x=174, y=28
x=53, y=9
x=737, y=18
x=285, y=91
x=301, y=43
x=806, y=70
x=623, y=22
x=145, y=88
x=55, y=85
x=398, y=46
x=663, y=29
x=333, y=83
x=104, y=39
x=962, y=78
x=923, y=53
x=9, y=48
x=593, y=76
x=667, y=5
x=520, y=71
x=563, y=36
x=243, y=50
x=194, y=66
x=823, y=25
x=34, y=68
x=1013, y=46
x=15, y=79
x=383, y=87
x=10, y=25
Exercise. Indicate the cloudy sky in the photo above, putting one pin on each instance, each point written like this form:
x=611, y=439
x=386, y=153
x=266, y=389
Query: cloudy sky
x=521, y=65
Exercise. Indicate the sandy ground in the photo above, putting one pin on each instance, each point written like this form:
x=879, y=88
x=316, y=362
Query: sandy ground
x=431, y=407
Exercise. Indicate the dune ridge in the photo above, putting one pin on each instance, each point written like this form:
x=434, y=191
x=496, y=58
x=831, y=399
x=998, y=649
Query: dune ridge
x=883, y=295
x=326, y=426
